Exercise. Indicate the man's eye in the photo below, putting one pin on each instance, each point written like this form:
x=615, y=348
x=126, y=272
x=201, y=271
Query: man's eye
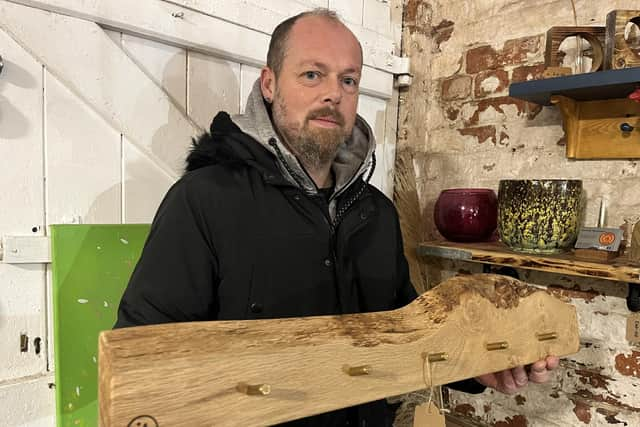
x=311, y=75
x=350, y=81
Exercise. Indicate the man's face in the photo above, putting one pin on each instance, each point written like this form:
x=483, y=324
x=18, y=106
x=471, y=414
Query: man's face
x=315, y=96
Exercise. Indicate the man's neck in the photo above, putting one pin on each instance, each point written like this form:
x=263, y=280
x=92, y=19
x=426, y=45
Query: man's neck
x=322, y=176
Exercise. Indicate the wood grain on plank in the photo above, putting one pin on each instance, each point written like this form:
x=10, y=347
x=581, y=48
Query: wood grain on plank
x=198, y=373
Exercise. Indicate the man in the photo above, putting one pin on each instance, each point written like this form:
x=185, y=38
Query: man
x=275, y=217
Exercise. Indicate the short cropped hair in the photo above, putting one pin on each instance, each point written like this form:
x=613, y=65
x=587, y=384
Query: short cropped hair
x=280, y=36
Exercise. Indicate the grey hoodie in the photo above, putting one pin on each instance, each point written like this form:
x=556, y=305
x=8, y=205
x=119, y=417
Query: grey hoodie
x=353, y=158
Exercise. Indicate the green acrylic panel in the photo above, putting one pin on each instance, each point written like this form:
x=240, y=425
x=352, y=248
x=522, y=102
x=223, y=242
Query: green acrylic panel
x=91, y=266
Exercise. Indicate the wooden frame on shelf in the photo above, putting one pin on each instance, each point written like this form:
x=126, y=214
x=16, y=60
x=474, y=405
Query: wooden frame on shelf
x=618, y=53
x=594, y=35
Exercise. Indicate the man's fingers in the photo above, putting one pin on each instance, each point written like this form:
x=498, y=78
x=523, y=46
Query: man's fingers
x=508, y=382
x=539, y=372
x=488, y=380
x=520, y=376
x=552, y=362
x=539, y=366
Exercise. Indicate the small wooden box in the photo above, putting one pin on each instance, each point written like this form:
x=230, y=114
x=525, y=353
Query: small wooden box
x=596, y=255
x=594, y=35
x=618, y=53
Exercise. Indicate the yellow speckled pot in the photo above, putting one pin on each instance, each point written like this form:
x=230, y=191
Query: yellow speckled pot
x=539, y=216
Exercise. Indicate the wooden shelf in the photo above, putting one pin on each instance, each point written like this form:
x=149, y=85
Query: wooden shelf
x=596, y=111
x=497, y=253
x=598, y=85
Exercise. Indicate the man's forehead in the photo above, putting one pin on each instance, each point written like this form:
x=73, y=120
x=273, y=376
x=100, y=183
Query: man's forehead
x=317, y=28
x=308, y=39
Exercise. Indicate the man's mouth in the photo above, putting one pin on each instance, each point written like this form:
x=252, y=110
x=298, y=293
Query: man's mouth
x=328, y=120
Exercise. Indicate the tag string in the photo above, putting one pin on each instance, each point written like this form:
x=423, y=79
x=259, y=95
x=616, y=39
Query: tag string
x=426, y=365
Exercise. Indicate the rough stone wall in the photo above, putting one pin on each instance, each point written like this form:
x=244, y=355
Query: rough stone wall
x=462, y=130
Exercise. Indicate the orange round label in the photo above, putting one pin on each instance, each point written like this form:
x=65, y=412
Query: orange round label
x=607, y=238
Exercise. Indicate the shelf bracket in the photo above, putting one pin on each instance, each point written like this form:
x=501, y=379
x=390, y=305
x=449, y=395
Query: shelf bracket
x=600, y=129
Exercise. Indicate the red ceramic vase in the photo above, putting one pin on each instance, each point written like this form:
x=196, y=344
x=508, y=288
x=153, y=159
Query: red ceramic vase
x=466, y=214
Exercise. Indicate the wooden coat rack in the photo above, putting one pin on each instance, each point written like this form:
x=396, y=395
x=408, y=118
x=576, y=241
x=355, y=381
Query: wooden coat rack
x=262, y=372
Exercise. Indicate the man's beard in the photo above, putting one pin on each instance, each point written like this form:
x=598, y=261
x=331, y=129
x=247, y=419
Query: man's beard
x=314, y=147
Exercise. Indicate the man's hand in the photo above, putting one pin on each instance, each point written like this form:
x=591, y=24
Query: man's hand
x=512, y=380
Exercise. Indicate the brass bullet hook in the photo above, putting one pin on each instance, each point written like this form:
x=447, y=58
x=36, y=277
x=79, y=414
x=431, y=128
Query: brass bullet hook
x=436, y=357
x=547, y=336
x=254, y=390
x=501, y=345
x=356, y=371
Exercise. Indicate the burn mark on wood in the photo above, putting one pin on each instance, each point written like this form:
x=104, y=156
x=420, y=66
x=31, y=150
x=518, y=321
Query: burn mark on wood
x=381, y=328
x=374, y=330
x=502, y=291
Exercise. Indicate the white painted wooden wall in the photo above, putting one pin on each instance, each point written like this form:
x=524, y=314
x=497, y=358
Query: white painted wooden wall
x=95, y=120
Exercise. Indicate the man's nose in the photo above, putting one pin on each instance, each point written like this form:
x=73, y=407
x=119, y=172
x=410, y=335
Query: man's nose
x=333, y=91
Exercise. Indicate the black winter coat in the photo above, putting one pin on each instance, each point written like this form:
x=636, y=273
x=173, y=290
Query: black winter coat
x=233, y=239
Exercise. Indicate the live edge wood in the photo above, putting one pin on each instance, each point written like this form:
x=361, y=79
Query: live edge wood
x=620, y=269
x=198, y=373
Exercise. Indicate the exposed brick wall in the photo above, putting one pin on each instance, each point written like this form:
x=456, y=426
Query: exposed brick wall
x=465, y=131
x=482, y=90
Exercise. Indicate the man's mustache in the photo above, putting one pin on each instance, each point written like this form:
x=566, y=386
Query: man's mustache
x=327, y=113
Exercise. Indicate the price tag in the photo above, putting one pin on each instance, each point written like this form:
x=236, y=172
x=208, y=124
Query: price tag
x=606, y=239
x=428, y=415
x=633, y=328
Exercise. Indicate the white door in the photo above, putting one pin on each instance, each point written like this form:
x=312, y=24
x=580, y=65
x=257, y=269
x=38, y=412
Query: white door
x=98, y=104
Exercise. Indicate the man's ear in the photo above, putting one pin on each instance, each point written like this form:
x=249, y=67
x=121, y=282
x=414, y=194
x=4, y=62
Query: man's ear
x=267, y=83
